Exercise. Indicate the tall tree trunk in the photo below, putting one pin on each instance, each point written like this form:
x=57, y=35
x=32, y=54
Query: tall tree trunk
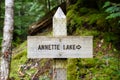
x=7, y=40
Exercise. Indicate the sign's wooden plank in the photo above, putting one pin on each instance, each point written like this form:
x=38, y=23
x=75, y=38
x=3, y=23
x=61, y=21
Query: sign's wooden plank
x=60, y=47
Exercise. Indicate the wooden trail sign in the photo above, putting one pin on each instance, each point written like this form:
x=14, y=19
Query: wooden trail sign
x=60, y=46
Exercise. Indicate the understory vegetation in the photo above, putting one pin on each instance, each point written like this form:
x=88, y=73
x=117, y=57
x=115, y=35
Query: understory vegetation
x=102, y=22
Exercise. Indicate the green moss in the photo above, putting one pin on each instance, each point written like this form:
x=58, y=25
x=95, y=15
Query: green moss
x=72, y=69
x=20, y=55
x=74, y=20
x=17, y=60
x=24, y=44
x=85, y=32
x=86, y=18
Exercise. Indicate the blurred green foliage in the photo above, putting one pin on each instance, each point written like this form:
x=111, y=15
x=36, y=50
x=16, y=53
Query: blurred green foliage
x=113, y=9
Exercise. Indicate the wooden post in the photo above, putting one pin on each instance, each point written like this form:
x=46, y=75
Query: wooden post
x=59, y=24
x=59, y=30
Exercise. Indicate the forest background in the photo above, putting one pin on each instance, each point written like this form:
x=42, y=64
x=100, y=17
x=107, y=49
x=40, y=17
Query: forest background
x=100, y=19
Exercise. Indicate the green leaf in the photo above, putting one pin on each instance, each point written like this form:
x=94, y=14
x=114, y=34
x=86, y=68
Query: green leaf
x=106, y=4
x=113, y=15
x=112, y=9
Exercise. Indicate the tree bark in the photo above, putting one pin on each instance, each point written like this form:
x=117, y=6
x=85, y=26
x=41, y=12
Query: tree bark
x=7, y=39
